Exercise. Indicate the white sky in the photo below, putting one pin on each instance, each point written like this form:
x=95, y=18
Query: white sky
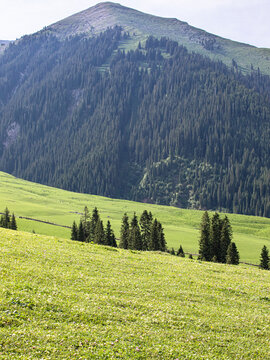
x=241, y=20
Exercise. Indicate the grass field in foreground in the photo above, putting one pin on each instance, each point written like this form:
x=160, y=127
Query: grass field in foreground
x=61, y=299
x=181, y=226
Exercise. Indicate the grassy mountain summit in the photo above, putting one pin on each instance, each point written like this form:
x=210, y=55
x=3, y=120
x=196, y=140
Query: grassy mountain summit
x=140, y=25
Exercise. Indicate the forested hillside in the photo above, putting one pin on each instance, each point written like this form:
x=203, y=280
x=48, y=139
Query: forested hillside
x=158, y=124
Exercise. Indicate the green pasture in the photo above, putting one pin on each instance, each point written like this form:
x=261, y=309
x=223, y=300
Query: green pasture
x=61, y=299
x=61, y=207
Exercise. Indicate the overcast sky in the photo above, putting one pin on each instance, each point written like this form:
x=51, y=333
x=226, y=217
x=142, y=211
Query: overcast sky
x=242, y=20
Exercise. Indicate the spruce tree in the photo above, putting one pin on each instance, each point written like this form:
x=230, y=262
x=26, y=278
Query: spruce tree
x=225, y=238
x=124, y=232
x=204, y=242
x=92, y=226
x=146, y=223
x=265, y=260
x=99, y=236
x=13, y=224
x=109, y=238
x=81, y=236
x=232, y=254
x=162, y=240
x=74, y=231
x=180, y=252
x=215, y=231
x=172, y=251
x=135, y=238
x=154, y=243
x=5, y=219
x=86, y=221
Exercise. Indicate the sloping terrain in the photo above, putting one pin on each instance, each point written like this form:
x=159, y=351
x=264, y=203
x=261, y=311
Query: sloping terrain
x=68, y=300
x=51, y=205
x=140, y=25
x=158, y=124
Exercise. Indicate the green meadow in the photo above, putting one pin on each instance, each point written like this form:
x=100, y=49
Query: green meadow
x=61, y=207
x=61, y=299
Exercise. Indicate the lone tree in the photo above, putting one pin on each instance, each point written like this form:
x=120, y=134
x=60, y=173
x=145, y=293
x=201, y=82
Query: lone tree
x=232, y=254
x=180, y=252
x=265, y=260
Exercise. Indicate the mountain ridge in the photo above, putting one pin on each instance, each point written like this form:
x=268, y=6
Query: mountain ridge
x=98, y=18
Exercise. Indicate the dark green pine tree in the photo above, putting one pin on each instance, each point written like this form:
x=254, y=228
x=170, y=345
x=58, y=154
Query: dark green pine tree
x=172, y=251
x=74, y=231
x=5, y=219
x=124, y=232
x=109, y=238
x=162, y=240
x=265, y=260
x=93, y=223
x=215, y=231
x=154, y=244
x=232, y=254
x=86, y=221
x=81, y=236
x=180, y=252
x=204, y=242
x=99, y=236
x=13, y=224
x=135, y=237
x=225, y=238
x=146, y=223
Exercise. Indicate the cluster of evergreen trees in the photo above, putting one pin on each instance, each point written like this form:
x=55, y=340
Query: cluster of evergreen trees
x=215, y=240
x=145, y=234
x=8, y=221
x=91, y=229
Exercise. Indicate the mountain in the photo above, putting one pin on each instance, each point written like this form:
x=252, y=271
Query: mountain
x=127, y=115
x=140, y=25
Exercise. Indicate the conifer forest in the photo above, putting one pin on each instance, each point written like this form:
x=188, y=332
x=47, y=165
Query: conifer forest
x=158, y=124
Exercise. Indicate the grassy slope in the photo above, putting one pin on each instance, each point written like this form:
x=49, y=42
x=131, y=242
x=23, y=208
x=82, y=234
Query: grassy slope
x=141, y=25
x=181, y=226
x=67, y=300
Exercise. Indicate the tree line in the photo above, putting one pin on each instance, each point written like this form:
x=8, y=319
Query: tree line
x=143, y=234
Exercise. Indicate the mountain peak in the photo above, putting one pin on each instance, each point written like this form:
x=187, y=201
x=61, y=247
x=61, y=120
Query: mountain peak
x=139, y=25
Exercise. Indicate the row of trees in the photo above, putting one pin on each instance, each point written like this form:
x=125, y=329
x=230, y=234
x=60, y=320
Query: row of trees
x=143, y=234
x=8, y=221
x=215, y=242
